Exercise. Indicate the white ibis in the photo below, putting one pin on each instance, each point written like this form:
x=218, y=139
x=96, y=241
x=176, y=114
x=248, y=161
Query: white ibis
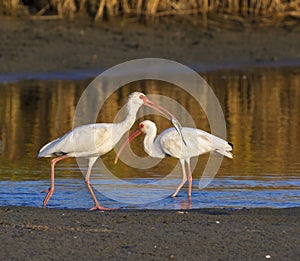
x=169, y=143
x=93, y=140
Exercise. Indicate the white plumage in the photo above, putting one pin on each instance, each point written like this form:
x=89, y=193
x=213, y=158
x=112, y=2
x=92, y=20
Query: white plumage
x=93, y=140
x=169, y=143
x=83, y=141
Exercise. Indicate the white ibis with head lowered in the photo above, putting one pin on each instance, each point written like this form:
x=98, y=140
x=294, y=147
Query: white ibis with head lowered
x=169, y=143
x=93, y=140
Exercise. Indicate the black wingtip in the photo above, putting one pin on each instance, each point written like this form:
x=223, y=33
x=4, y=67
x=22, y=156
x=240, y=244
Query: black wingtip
x=230, y=144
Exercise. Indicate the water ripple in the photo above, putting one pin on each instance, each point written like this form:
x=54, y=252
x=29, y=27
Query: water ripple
x=222, y=193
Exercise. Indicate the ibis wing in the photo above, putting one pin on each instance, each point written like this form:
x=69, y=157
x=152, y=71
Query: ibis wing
x=197, y=142
x=82, y=141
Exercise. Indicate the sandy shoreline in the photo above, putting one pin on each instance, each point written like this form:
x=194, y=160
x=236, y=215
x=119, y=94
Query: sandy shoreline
x=28, y=46
x=207, y=234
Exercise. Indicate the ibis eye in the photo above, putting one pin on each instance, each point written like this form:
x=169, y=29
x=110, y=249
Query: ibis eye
x=141, y=125
x=141, y=97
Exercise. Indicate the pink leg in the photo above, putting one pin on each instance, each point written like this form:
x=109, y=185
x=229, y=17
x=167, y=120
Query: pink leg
x=190, y=203
x=51, y=189
x=190, y=178
x=87, y=182
x=183, y=178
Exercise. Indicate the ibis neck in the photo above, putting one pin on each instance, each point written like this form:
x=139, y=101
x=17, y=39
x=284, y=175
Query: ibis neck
x=129, y=120
x=152, y=146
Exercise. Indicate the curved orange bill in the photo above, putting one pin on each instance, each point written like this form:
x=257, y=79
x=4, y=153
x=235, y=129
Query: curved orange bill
x=166, y=114
x=129, y=139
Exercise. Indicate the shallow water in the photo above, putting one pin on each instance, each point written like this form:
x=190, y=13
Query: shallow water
x=261, y=112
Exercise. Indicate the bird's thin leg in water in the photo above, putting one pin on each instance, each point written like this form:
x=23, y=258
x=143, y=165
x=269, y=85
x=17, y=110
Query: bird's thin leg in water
x=87, y=182
x=51, y=189
x=183, y=178
x=190, y=177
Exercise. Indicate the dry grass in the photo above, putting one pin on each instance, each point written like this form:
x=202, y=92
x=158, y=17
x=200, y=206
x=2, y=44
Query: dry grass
x=12, y=8
x=260, y=12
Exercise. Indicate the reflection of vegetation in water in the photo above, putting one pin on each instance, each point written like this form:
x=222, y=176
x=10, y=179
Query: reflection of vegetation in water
x=240, y=12
x=261, y=110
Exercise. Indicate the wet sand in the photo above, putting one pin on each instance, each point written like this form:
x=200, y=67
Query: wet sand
x=28, y=46
x=208, y=234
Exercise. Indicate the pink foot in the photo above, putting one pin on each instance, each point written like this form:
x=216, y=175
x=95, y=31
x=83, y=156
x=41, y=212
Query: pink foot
x=101, y=208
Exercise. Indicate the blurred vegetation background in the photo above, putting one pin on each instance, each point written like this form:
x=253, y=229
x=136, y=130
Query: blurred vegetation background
x=243, y=12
